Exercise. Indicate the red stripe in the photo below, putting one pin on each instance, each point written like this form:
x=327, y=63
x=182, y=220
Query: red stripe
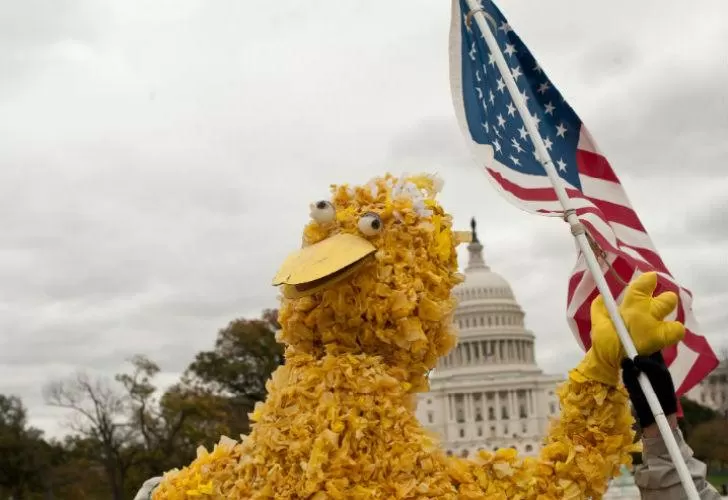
x=595, y=165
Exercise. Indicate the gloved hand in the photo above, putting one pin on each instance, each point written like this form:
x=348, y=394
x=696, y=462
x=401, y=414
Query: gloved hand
x=145, y=493
x=656, y=370
x=644, y=317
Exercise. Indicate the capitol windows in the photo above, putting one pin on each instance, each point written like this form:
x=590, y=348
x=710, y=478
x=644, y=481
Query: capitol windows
x=478, y=415
x=430, y=417
x=504, y=412
x=522, y=411
x=491, y=413
x=552, y=408
x=464, y=454
x=482, y=321
x=524, y=428
x=480, y=431
x=529, y=448
x=462, y=433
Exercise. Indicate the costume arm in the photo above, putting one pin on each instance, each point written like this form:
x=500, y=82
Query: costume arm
x=582, y=451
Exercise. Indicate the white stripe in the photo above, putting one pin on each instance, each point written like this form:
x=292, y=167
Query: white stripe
x=686, y=302
x=635, y=255
x=587, y=142
x=601, y=227
x=584, y=288
x=681, y=365
x=604, y=190
x=633, y=237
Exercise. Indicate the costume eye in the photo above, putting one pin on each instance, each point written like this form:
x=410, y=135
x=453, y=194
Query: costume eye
x=323, y=211
x=370, y=224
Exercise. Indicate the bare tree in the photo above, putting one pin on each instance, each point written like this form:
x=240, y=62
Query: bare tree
x=98, y=417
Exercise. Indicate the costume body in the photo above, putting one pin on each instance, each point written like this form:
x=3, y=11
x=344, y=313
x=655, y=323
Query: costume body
x=366, y=313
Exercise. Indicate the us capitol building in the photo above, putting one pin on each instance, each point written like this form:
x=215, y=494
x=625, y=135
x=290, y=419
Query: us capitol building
x=488, y=392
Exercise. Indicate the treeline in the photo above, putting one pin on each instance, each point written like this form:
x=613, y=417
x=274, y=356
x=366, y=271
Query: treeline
x=706, y=431
x=122, y=431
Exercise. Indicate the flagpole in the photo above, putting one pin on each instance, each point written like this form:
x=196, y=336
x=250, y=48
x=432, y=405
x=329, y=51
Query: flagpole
x=579, y=233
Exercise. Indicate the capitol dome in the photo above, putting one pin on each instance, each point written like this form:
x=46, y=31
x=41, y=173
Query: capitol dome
x=481, y=283
x=490, y=323
x=488, y=392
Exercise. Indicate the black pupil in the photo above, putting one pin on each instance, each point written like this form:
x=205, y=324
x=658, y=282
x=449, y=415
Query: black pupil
x=376, y=224
x=321, y=205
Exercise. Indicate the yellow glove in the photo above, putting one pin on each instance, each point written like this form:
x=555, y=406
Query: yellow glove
x=644, y=317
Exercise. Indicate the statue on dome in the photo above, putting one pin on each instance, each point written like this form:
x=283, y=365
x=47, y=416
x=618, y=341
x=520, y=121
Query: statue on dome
x=366, y=312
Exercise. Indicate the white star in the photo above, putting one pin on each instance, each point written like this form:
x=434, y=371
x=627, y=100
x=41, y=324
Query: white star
x=486, y=127
x=505, y=27
x=543, y=87
x=491, y=60
x=501, y=84
x=562, y=165
x=497, y=146
x=516, y=72
x=491, y=97
x=546, y=142
x=510, y=49
x=472, y=52
x=485, y=70
x=497, y=132
x=523, y=132
x=536, y=119
x=480, y=93
x=550, y=108
x=511, y=109
x=501, y=121
x=537, y=68
x=561, y=131
x=517, y=146
x=515, y=160
x=477, y=75
x=485, y=106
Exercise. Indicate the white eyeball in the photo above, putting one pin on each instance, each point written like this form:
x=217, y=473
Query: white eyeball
x=323, y=211
x=370, y=224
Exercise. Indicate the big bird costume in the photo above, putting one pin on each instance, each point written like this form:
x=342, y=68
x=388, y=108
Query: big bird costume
x=366, y=313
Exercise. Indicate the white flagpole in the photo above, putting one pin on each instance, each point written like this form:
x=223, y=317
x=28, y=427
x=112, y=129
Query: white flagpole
x=579, y=233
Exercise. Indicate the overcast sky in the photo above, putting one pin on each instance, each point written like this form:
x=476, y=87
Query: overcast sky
x=157, y=158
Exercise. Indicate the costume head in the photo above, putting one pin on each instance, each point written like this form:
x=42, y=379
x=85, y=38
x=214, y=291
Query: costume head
x=374, y=277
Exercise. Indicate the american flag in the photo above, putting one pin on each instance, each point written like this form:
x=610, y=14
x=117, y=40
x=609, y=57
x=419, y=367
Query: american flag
x=500, y=142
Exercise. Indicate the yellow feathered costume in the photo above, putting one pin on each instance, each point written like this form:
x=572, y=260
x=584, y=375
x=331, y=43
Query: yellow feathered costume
x=366, y=313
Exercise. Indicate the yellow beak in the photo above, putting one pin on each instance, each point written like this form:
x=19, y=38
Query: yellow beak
x=322, y=264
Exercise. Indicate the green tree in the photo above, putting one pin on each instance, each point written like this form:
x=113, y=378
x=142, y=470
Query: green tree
x=694, y=414
x=709, y=442
x=170, y=427
x=245, y=355
x=24, y=456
